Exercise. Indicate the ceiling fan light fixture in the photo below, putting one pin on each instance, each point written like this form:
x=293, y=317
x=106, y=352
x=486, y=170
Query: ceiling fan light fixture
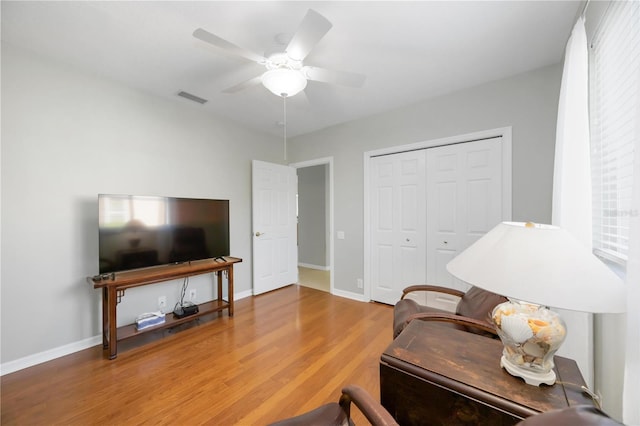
x=284, y=82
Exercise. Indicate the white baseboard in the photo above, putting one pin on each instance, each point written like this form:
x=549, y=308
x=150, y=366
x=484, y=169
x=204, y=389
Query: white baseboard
x=318, y=267
x=39, y=358
x=246, y=293
x=51, y=354
x=349, y=295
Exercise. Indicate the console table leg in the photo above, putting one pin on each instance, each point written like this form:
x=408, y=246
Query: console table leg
x=230, y=282
x=105, y=318
x=113, y=333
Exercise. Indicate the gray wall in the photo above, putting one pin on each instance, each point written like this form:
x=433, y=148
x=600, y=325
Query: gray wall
x=527, y=102
x=312, y=216
x=66, y=137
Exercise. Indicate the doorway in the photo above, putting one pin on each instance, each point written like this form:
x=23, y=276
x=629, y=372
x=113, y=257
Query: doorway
x=315, y=224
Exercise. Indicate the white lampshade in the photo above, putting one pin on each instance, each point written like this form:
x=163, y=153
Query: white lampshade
x=284, y=82
x=540, y=264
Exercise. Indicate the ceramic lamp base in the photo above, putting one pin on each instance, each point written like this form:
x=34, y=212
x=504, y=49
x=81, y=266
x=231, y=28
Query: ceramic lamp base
x=530, y=377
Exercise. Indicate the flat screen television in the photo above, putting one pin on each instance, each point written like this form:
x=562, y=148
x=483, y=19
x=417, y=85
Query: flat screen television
x=142, y=231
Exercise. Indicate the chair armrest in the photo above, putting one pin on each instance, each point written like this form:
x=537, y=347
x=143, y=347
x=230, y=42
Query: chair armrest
x=436, y=288
x=372, y=409
x=452, y=318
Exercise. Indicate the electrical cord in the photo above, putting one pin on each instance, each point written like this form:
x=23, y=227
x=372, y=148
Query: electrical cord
x=597, y=399
x=183, y=291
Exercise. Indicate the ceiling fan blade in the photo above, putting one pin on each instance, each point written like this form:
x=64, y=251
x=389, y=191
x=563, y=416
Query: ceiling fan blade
x=341, y=78
x=245, y=84
x=311, y=30
x=221, y=43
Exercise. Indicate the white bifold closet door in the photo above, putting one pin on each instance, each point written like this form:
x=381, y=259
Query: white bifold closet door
x=426, y=207
x=398, y=223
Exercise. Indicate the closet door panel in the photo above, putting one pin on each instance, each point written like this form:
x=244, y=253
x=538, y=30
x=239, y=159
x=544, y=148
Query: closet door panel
x=464, y=201
x=398, y=223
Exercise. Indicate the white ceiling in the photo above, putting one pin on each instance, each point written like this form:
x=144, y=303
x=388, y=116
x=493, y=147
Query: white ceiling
x=409, y=51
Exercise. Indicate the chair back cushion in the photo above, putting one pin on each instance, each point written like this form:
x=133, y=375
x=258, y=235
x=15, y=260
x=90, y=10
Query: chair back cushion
x=327, y=415
x=478, y=304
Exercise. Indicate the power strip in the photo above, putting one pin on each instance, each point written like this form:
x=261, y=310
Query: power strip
x=185, y=310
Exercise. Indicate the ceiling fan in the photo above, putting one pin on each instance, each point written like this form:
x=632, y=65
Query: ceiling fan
x=286, y=74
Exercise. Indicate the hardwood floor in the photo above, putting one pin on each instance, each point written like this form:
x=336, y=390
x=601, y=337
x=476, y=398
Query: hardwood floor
x=283, y=353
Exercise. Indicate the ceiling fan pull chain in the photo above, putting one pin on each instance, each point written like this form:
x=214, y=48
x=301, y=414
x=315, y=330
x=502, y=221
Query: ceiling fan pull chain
x=284, y=103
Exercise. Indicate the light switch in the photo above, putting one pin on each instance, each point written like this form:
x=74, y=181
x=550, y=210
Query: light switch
x=341, y=235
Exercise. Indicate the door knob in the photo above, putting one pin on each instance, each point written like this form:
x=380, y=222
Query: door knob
x=259, y=233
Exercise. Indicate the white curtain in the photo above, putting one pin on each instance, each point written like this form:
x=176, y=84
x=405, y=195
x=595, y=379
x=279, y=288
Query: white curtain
x=631, y=394
x=572, y=168
x=572, y=182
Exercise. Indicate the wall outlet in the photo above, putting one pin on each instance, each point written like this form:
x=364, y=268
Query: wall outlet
x=192, y=295
x=162, y=302
x=359, y=283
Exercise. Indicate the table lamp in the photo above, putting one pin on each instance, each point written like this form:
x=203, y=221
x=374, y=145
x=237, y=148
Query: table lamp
x=536, y=266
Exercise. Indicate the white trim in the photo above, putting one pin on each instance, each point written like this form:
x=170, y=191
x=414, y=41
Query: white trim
x=311, y=163
x=242, y=295
x=320, y=162
x=48, y=355
x=366, y=279
x=504, y=132
x=316, y=267
x=507, y=174
x=507, y=208
x=349, y=295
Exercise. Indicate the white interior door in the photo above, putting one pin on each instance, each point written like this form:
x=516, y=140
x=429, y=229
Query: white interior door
x=464, y=201
x=275, y=254
x=397, y=224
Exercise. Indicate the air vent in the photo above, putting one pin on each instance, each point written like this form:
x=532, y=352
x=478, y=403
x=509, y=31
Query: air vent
x=193, y=98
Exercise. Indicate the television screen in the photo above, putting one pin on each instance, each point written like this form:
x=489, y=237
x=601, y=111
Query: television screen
x=139, y=231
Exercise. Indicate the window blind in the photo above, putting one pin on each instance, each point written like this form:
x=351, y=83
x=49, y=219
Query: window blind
x=614, y=98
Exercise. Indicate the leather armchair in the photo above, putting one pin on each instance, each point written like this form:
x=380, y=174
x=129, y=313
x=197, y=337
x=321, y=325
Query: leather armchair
x=338, y=413
x=472, y=312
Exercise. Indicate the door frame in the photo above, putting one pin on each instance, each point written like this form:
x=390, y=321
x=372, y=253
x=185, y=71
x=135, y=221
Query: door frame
x=504, y=132
x=329, y=162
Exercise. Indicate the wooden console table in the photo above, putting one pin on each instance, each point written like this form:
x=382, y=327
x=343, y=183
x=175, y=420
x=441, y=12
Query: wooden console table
x=113, y=289
x=436, y=375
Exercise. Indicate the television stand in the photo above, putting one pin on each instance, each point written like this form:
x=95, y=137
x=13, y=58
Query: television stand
x=113, y=290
